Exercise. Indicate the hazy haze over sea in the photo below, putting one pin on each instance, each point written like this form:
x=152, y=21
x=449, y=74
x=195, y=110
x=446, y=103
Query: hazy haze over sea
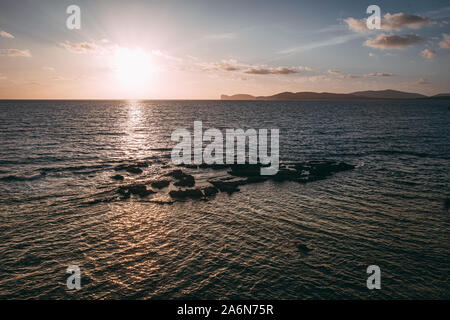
x=57, y=159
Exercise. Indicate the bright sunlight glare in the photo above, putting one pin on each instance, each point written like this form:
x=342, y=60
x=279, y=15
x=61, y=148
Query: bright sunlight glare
x=133, y=68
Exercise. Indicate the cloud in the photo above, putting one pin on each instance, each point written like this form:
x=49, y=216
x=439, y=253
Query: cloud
x=15, y=53
x=390, y=22
x=224, y=65
x=379, y=74
x=231, y=65
x=371, y=54
x=2, y=76
x=352, y=76
x=399, y=21
x=82, y=47
x=356, y=25
x=384, y=41
x=165, y=55
x=429, y=54
x=46, y=68
x=264, y=71
x=334, y=72
x=423, y=81
x=5, y=34
x=445, y=43
x=228, y=65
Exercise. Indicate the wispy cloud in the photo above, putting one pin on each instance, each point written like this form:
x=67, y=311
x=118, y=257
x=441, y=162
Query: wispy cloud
x=428, y=54
x=318, y=44
x=224, y=65
x=384, y=41
x=165, y=55
x=439, y=14
x=278, y=70
x=15, y=53
x=82, y=47
x=5, y=34
x=445, y=43
x=379, y=74
x=233, y=65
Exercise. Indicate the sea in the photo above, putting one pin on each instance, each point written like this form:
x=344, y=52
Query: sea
x=59, y=206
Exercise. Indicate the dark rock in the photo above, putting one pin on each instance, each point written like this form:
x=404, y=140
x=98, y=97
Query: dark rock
x=132, y=168
x=256, y=179
x=161, y=202
x=326, y=168
x=447, y=204
x=160, y=184
x=190, y=166
x=285, y=175
x=342, y=166
x=123, y=191
x=210, y=191
x=227, y=186
x=245, y=170
x=177, y=174
x=117, y=177
x=136, y=189
x=318, y=170
x=214, y=166
x=184, y=180
x=188, y=193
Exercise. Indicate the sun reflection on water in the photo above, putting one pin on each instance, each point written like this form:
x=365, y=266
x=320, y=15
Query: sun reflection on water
x=136, y=131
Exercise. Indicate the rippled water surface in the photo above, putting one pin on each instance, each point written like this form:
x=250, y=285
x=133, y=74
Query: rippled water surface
x=57, y=159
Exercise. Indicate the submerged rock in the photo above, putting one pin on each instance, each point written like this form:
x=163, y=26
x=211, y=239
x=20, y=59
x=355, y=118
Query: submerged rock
x=286, y=175
x=238, y=175
x=177, y=174
x=188, y=193
x=228, y=186
x=184, y=180
x=161, y=202
x=245, y=170
x=210, y=191
x=136, y=189
x=117, y=177
x=134, y=170
x=303, y=248
x=214, y=166
x=160, y=184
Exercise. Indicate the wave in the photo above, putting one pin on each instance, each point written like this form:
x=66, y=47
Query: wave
x=21, y=178
x=401, y=152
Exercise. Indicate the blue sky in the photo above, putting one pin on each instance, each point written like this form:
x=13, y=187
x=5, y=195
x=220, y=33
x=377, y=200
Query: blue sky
x=211, y=47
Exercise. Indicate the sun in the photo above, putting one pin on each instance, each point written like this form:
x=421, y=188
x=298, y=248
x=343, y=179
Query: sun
x=133, y=68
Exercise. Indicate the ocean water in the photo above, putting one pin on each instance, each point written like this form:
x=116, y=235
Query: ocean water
x=57, y=159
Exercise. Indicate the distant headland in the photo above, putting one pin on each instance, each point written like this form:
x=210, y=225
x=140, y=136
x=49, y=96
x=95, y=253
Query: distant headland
x=358, y=95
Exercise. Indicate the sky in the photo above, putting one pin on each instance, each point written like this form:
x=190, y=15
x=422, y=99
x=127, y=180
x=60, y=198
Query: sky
x=200, y=49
